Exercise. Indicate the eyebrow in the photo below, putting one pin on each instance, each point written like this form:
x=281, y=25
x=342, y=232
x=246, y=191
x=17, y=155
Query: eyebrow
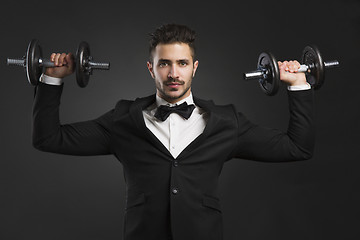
x=183, y=60
x=162, y=60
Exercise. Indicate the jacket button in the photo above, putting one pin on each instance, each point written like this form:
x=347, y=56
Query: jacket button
x=175, y=163
x=175, y=191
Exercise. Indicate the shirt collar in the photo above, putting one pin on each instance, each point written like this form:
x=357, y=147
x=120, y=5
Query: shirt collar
x=160, y=101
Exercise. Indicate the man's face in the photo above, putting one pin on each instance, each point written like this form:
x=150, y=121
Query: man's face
x=173, y=70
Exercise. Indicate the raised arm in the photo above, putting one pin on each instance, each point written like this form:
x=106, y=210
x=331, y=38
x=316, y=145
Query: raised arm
x=265, y=144
x=82, y=138
x=297, y=143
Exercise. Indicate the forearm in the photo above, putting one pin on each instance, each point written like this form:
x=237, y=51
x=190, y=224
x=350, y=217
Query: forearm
x=83, y=138
x=46, y=106
x=301, y=129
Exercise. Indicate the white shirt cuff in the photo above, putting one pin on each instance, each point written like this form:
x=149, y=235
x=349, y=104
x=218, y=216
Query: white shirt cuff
x=306, y=86
x=50, y=80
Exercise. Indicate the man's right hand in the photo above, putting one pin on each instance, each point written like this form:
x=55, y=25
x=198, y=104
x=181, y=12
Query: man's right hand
x=64, y=65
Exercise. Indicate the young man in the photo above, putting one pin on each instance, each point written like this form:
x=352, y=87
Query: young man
x=173, y=145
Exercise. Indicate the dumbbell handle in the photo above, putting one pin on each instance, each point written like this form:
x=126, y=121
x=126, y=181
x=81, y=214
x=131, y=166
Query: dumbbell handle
x=90, y=64
x=16, y=62
x=303, y=68
x=99, y=65
x=47, y=63
x=22, y=62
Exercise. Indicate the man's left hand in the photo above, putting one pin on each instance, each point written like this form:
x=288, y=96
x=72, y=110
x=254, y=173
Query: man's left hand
x=289, y=74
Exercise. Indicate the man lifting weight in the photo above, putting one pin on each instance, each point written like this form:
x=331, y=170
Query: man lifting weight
x=172, y=144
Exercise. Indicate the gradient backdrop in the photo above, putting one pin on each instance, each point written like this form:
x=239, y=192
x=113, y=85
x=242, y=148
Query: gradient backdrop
x=46, y=196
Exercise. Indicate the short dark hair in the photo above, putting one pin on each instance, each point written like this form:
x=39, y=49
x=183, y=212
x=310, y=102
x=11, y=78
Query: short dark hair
x=172, y=33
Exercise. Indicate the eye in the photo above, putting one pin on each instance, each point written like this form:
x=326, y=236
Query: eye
x=183, y=64
x=163, y=64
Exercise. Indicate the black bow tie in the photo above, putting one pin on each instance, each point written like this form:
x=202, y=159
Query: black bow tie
x=184, y=110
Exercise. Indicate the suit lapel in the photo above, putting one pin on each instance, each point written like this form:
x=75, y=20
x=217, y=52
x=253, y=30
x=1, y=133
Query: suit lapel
x=136, y=114
x=137, y=107
x=142, y=103
x=212, y=121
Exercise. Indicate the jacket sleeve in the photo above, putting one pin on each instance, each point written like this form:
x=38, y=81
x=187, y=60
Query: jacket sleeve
x=264, y=144
x=81, y=138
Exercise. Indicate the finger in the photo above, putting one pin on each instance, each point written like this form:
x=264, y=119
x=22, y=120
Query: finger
x=295, y=65
x=62, y=59
x=282, y=69
x=57, y=56
x=286, y=65
x=291, y=66
x=52, y=57
x=69, y=58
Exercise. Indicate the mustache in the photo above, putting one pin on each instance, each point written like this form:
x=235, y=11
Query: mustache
x=172, y=81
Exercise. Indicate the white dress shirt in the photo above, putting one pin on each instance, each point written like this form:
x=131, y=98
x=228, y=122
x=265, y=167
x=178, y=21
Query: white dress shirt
x=175, y=133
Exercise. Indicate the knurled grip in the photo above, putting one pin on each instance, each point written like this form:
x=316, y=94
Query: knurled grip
x=99, y=65
x=16, y=62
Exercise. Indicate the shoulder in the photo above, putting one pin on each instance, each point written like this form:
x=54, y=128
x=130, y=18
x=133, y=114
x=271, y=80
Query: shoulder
x=210, y=106
x=226, y=113
x=124, y=105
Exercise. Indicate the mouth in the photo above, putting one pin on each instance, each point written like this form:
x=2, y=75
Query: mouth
x=173, y=84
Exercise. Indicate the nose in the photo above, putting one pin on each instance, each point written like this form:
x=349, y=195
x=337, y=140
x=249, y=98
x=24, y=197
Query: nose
x=173, y=73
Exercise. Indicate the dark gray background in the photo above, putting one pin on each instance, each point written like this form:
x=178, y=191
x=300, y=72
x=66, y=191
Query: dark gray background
x=48, y=196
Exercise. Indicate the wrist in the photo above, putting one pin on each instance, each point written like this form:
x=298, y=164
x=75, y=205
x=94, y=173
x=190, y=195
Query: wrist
x=305, y=86
x=298, y=81
x=50, y=80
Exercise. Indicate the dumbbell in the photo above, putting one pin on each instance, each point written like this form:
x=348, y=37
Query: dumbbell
x=34, y=63
x=268, y=73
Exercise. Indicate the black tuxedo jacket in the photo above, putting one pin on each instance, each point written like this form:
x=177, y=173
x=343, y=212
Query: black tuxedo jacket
x=167, y=197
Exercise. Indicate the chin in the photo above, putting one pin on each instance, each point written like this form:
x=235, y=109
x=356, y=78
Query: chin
x=171, y=96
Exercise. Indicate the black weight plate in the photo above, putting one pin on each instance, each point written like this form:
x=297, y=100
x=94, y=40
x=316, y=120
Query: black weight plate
x=270, y=84
x=82, y=58
x=311, y=56
x=33, y=69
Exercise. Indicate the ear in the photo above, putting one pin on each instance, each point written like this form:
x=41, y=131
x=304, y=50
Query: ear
x=196, y=64
x=151, y=69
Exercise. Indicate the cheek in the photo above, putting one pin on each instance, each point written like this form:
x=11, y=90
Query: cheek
x=160, y=73
x=188, y=74
x=160, y=78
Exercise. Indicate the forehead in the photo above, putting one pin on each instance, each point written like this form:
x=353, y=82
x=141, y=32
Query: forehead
x=172, y=51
